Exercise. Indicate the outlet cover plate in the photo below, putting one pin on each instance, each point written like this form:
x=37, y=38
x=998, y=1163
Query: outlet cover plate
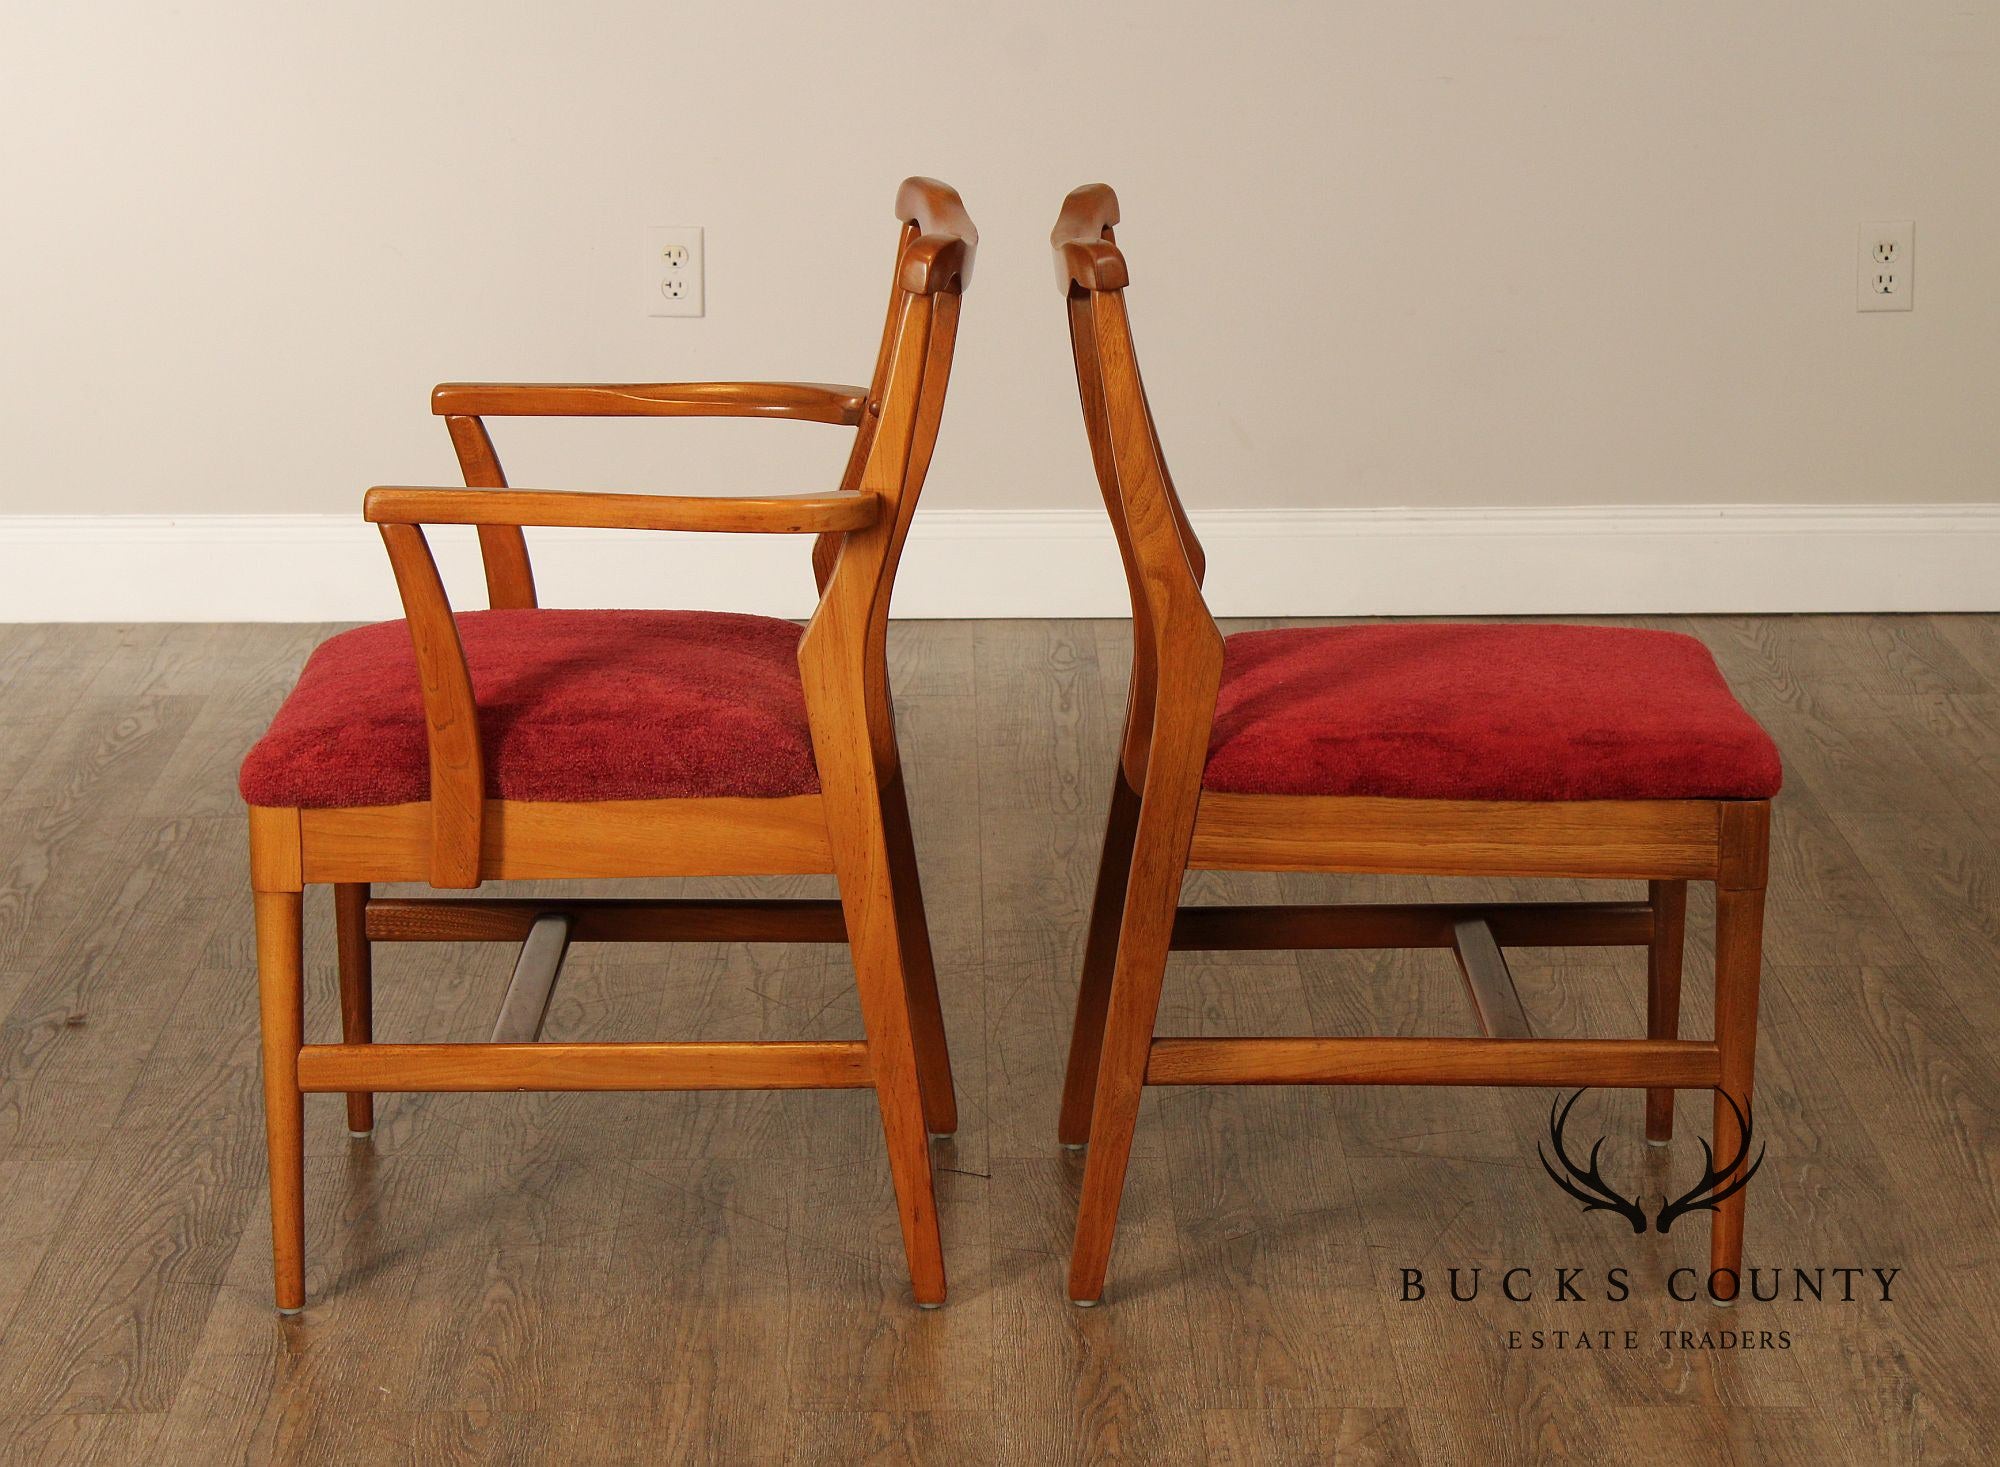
x=1887, y=266
x=673, y=276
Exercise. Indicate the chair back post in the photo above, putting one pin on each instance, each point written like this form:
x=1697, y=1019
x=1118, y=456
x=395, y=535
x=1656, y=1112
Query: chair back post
x=892, y=454
x=925, y=207
x=826, y=549
x=1176, y=646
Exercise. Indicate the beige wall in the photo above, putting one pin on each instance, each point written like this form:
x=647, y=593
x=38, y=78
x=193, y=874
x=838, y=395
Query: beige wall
x=1524, y=253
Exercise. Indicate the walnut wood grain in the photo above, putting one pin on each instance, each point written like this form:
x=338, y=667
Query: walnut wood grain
x=457, y=806
x=510, y=580
x=281, y=1004
x=1739, y=936
x=1186, y=672
x=503, y=549
x=1745, y=837
x=927, y=1033
x=1668, y=900
x=813, y=402
x=1602, y=839
x=687, y=1065
x=605, y=919
x=771, y=514
x=844, y=669
x=938, y=254
x=355, y=959
x=1688, y=1063
x=277, y=861
x=1086, y=254
x=524, y=840
x=1100, y=954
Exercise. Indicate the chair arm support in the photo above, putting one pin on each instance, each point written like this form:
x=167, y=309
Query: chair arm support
x=773, y=514
x=813, y=402
x=451, y=716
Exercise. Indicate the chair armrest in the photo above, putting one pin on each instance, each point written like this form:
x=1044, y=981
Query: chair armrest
x=457, y=760
x=774, y=514
x=813, y=402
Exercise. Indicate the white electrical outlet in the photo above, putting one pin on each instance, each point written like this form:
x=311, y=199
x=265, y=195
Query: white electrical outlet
x=673, y=270
x=1888, y=266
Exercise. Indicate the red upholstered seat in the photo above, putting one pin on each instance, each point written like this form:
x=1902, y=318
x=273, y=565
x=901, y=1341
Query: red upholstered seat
x=1481, y=712
x=573, y=705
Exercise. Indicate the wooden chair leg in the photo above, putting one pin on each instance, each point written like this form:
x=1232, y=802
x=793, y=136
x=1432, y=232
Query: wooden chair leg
x=899, y=1093
x=1145, y=936
x=862, y=865
x=357, y=990
x=1100, y=952
x=281, y=1000
x=1739, y=937
x=1663, y=992
x=920, y=972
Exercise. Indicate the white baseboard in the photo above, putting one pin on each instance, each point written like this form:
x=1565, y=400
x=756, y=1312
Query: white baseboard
x=968, y=563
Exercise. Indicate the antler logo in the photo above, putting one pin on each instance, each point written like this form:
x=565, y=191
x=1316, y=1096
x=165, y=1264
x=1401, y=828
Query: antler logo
x=1587, y=1185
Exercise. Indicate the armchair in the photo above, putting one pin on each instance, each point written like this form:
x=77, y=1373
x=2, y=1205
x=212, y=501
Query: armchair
x=457, y=748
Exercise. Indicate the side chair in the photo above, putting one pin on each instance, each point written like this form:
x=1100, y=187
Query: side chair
x=520, y=743
x=1472, y=750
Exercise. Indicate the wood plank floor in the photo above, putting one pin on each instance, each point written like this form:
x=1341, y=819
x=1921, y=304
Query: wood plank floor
x=686, y=1278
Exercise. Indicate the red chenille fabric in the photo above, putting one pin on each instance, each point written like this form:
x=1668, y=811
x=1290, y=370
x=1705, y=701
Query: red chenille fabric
x=573, y=706
x=1483, y=712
